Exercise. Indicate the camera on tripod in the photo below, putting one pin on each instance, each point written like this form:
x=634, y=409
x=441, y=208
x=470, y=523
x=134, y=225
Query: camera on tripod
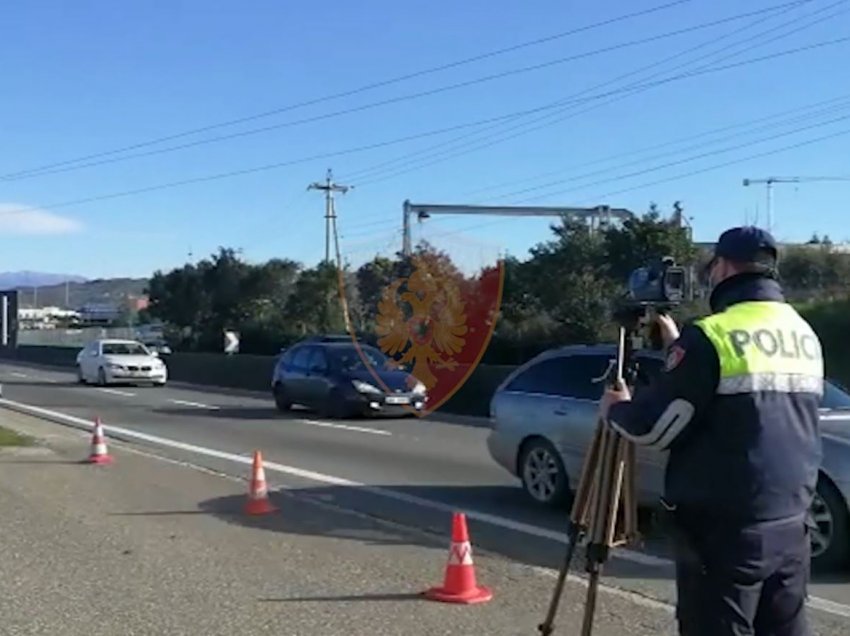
x=660, y=287
x=660, y=284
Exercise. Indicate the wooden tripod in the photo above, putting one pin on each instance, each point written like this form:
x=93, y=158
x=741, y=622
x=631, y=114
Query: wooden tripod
x=604, y=509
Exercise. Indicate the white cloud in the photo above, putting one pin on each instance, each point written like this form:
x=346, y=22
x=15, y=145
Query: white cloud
x=20, y=219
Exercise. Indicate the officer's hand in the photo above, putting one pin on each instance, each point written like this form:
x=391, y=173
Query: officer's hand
x=612, y=396
x=668, y=329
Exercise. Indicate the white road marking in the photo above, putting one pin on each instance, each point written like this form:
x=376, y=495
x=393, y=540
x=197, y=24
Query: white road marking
x=117, y=392
x=634, y=597
x=344, y=427
x=195, y=404
x=814, y=602
x=17, y=374
x=830, y=607
x=325, y=501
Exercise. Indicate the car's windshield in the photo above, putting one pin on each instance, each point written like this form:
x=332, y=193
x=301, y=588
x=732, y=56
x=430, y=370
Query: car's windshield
x=124, y=349
x=350, y=359
x=835, y=396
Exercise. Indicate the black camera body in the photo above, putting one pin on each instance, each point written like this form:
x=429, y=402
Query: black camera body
x=660, y=287
x=660, y=284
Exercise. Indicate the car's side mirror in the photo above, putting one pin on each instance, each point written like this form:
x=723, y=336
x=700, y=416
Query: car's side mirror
x=155, y=353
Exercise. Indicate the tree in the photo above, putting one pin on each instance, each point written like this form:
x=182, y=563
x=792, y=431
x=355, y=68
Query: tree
x=271, y=284
x=371, y=279
x=180, y=298
x=569, y=278
x=644, y=240
x=314, y=305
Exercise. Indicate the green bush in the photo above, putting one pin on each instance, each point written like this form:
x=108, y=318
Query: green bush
x=831, y=319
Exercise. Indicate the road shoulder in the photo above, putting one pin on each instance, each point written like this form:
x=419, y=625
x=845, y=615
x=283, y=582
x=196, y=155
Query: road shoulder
x=148, y=546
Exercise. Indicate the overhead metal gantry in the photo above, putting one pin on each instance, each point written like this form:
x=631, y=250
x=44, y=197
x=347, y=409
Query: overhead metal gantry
x=597, y=215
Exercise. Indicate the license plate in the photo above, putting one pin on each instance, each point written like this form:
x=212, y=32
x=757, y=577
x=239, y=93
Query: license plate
x=397, y=399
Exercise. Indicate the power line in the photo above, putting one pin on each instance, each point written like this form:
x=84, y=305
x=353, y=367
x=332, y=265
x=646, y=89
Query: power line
x=641, y=151
x=766, y=126
x=267, y=167
x=684, y=175
x=368, y=87
x=673, y=163
x=570, y=103
x=64, y=167
x=648, y=85
x=691, y=158
x=692, y=147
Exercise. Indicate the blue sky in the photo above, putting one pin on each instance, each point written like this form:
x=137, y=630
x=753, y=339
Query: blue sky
x=90, y=77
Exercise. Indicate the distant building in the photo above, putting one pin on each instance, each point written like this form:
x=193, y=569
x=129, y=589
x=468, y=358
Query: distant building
x=99, y=313
x=138, y=303
x=45, y=317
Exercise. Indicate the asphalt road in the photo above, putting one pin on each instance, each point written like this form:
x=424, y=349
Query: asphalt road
x=146, y=546
x=410, y=471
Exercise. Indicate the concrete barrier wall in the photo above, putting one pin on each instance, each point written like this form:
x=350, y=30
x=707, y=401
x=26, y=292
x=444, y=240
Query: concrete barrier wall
x=71, y=337
x=254, y=373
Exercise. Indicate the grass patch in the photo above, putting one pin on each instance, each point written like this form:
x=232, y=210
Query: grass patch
x=11, y=438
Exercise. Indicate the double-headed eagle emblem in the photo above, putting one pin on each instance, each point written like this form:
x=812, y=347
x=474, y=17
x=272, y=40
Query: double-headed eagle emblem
x=423, y=318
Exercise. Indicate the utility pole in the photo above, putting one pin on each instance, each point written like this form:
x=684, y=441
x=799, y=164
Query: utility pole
x=329, y=187
x=769, y=181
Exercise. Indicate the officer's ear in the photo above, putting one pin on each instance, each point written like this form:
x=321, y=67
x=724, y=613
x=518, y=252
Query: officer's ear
x=765, y=263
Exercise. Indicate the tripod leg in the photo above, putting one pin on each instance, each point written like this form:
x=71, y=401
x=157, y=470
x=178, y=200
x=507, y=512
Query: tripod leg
x=590, y=602
x=586, y=480
x=630, y=498
x=578, y=521
x=548, y=625
x=609, y=491
x=619, y=469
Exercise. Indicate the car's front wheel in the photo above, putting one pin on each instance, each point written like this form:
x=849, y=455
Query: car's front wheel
x=101, y=376
x=335, y=407
x=830, y=538
x=80, y=377
x=543, y=474
x=282, y=403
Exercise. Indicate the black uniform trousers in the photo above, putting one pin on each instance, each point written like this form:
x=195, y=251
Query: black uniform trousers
x=741, y=581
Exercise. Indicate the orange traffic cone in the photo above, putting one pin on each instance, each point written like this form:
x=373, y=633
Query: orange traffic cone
x=258, y=497
x=99, y=454
x=459, y=585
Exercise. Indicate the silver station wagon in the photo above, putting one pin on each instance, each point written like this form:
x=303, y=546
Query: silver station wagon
x=544, y=414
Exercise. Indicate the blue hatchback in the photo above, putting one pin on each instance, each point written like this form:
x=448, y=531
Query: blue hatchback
x=341, y=379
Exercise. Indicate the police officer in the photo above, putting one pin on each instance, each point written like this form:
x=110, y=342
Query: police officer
x=737, y=408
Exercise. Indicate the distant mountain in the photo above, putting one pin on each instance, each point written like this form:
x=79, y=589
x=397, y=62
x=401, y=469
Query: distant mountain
x=101, y=291
x=13, y=280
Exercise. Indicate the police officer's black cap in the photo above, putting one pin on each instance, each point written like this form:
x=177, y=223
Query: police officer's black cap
x=747, y=245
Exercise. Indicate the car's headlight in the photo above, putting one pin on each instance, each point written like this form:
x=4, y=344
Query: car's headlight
x=112, y=365
x=365, y=387
x=419, y=389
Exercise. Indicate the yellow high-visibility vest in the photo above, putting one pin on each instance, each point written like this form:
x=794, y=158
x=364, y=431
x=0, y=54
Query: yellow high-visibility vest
x=764, y=346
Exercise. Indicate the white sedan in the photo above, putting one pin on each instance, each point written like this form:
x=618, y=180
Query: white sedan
x=108, y=361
